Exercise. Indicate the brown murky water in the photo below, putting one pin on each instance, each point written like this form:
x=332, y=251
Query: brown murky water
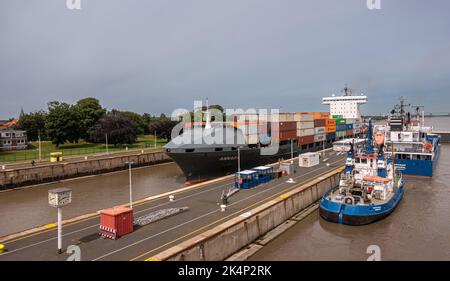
x=26, y=208
x=419, y=229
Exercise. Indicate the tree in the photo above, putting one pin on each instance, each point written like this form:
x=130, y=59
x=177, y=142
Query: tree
x=33, y=123
x=163, y=128
x=62, y=123
x=137, y=120
x=120, y=129
x=90, y=112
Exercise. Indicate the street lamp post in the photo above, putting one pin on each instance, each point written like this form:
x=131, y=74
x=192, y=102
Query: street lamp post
x=39, y=139
x=106, y=143
x=129, y=176
x=155, y=139
x=239, y=159
x=292, y=150
x=323, y=151
x=239, y=167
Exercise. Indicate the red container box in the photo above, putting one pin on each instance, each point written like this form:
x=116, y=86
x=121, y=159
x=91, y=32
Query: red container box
x=285, y=135
x=306, y=140
x=349, y=133
x=319, y=123
x=288, y=126
x=116, y=222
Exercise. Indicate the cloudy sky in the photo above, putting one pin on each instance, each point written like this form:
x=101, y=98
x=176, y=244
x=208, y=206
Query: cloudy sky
x=158, y=55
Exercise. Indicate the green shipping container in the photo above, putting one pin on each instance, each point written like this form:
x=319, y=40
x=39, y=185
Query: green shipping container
x=340, y=121
x=337, y=116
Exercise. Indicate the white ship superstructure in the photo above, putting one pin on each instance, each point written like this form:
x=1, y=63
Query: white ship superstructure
x=347, y=105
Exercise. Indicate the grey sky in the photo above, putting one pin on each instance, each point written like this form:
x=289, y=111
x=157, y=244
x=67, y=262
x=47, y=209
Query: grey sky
x=157, y=55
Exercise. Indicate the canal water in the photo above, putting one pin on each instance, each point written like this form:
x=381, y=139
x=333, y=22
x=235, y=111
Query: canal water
x=28, y=207
x=419, y=229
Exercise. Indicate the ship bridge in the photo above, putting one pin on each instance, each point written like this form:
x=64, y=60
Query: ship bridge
x=347, y=105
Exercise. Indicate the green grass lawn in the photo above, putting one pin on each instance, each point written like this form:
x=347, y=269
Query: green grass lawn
x=76, y=149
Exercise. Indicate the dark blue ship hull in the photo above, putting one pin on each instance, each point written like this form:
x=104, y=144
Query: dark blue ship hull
x=422, y=168
x=358, y=214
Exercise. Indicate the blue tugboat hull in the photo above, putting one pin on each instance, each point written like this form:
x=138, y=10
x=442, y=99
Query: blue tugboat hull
x=357, y=214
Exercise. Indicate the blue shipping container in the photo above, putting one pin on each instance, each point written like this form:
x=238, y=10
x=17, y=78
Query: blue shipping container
x=341, y=127
x=331, y=136
x=349, y=126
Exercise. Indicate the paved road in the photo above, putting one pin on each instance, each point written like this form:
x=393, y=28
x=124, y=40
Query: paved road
x=27, y=207
x=148, y=240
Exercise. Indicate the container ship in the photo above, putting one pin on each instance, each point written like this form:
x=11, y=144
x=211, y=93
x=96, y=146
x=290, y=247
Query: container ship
x=243, y=142
x=369, y=188
x=415, y=147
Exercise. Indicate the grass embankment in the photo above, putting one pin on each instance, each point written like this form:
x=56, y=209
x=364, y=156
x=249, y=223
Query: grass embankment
x=82, y=148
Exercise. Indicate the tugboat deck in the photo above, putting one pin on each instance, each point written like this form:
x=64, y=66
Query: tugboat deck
x=333, y=194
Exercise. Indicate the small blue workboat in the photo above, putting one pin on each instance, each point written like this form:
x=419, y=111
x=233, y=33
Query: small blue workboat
x=369, y=188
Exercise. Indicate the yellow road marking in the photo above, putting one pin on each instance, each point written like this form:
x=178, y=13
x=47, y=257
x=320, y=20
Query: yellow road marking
x=50, y=225
x=152, y=259
x=237, y=212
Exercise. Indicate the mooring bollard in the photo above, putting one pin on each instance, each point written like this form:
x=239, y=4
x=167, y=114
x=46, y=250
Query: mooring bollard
x=3, y=167
x=85, y=157
x=2, y=248
x=171, y=198
x=223, y=207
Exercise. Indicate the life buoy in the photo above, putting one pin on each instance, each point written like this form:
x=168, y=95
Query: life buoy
x=349, y=200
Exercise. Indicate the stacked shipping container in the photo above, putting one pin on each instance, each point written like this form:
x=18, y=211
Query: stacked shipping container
x=306, y=127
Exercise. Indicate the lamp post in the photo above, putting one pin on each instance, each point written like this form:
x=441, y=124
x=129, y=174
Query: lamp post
x=155, y=139
x=129, y=175
x=239, y=159
x=39, y=139
x=323, y=151
x=239, y=167
x=59, y=198
x=106, y=143
x=292, y=150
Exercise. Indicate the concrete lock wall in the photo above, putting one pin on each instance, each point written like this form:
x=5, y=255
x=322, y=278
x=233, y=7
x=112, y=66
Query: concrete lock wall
x=224, y=240
x=64, y=170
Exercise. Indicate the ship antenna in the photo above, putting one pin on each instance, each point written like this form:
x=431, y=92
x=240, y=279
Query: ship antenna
x=346, y=91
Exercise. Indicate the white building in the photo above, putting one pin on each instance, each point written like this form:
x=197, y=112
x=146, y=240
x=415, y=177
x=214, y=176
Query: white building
x=347, y=105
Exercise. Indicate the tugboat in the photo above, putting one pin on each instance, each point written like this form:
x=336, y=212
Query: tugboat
x=369, y=188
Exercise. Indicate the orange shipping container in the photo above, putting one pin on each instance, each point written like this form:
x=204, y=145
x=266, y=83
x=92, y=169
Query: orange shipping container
x=330, y=122
x=321, y=115
x=330, y=129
